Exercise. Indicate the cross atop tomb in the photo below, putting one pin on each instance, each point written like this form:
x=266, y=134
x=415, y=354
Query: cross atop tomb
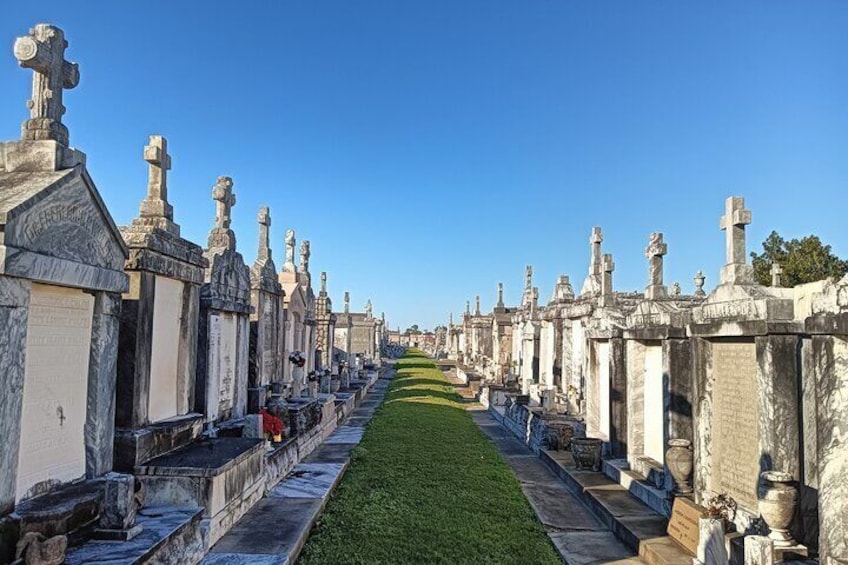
x=156, y=154
x=368, y=309
x=225, y=199
x=655, y=251
x=264, y=219
x=733, y=223
x=776, y=271
x=477, y=306
x=534, y=302
x=288, y=265
x=323, y=282
x=467, y=307
x=305, y=253
x=608, y=267
x=450, y=319
x=43, y=51
x=500, y=295
x=347, y=302
x=528, y=277
x=592, y=284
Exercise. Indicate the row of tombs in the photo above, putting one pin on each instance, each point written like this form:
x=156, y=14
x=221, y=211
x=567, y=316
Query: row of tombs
x=746, y=388
x=139, y=370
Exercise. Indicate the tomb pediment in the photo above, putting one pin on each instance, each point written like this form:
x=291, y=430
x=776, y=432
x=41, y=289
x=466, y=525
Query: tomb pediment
x=56, y=229
x=650, y=313
x=744, y=303
x=227, y=281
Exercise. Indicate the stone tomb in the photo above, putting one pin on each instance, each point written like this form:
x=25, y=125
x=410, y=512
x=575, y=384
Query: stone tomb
x=746, y=348
x=61, y=276
x=224, y=335
x=158, y=339
x=267, y=323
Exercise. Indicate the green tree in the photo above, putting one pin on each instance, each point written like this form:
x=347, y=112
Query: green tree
x=802, y=260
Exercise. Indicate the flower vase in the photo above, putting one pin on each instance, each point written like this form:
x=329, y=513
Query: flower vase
x=777, y=502
x=680, y=461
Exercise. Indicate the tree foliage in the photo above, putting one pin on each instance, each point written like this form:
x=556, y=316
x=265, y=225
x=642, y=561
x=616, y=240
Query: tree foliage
x=802, y=260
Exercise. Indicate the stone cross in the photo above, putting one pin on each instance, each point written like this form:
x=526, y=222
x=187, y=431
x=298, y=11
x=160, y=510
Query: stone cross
x=733, y=223
x=159, y=163
x=223, y=194
x=323, y=282
x=534, y=302
x=500, y=295
x=776, y=271
x=43, y=51
x=450, y=319
x=477, y=305
x=305, y=253
x=528, y=277
x=699, y=284
x=264, y=219
x=467, y=307
x=288, y=265
x=608, y=267
x=368, y=308
x=654, y=252
x=592, y=284
x=347, y=302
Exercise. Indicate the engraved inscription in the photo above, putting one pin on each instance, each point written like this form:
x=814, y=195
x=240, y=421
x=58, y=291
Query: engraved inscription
x=683, y=524
x=736, y=453
x=52, y=448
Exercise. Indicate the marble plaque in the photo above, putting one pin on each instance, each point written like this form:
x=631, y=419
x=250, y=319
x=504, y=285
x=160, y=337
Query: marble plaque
x=167, y=312
x=735, y=439
x=604, y=388
x=52, y=442
x=683, y=525
x=228, y=354
x=653, y=413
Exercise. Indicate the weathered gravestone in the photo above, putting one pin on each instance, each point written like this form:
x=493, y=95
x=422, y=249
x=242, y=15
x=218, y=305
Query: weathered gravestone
x=61, y=276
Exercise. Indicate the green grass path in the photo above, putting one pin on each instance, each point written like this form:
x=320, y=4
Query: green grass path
x=426, y=486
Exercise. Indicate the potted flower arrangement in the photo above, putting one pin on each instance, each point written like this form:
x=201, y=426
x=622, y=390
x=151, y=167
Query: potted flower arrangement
x=272, y=426
x=313, y=376
x=297, y=359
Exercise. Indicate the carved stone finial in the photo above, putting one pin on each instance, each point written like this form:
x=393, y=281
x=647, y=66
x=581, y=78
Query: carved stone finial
x=43, y=51
x=735, y=218
x=225, y=199
x=592, y=283
x=563, y=289
x=305, y=253
x=467, y=307
x=607, y=298
x=288, y=266
x=676, y=290
x=699, y=284
x=655, y=251
x=477, y=305
x=347, y=302
x=264, y=219
x=323, y=282
x=500, y=295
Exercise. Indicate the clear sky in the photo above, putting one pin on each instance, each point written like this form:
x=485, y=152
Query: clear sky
x=430, y=149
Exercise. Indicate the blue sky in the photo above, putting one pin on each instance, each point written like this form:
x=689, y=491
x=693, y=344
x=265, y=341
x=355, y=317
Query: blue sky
x=431, y=149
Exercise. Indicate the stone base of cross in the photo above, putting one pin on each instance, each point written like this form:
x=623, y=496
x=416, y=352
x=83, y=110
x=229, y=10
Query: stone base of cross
x=654, y=291
x=154, y=217
x=736, y=273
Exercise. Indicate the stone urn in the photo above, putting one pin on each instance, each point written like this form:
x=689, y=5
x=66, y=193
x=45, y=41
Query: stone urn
x=778, y=498
x=587, y=453
x=680, y=461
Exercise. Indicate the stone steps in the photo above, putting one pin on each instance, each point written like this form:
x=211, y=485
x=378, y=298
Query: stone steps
x=634, y=523
x=645, y=490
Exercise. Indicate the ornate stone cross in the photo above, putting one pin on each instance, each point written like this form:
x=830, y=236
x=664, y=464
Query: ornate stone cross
x=225, y=198
x=608, y=267
x=733, y=223
x=500, y=295
x=288, y=266
x=43, y=51
x=305, y=253
x=776, y=271
x=264, y=219
x=592, y=284
x=467, y=307
x=654, y=252
x=534, y=302
x=368, y=309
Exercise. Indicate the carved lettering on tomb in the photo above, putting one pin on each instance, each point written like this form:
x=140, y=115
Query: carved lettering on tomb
x=735, y=422
x=52, y=443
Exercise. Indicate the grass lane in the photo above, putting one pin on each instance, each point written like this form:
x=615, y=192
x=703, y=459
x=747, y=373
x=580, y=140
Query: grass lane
x=426, y=486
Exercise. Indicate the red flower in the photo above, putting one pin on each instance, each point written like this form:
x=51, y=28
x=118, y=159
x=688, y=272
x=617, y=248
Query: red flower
x=271, y=424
